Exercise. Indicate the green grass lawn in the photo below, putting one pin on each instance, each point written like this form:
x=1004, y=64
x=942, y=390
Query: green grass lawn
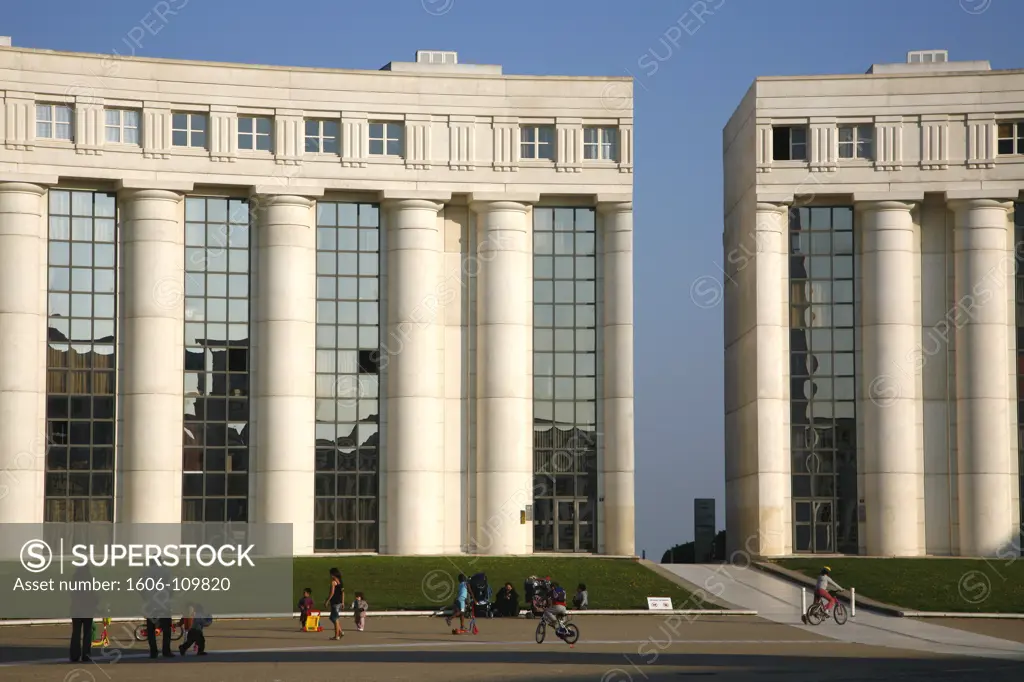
x=421, y=583
x=956, y=585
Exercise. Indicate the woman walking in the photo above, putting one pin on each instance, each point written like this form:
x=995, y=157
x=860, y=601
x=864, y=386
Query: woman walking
x=336, y=599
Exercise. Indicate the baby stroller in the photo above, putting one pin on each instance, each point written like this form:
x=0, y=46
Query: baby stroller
x=480, y=595
x=538, y=593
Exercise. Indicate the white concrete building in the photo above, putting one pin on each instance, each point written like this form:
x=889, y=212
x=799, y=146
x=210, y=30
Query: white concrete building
x=874, y=311
x=392, y=308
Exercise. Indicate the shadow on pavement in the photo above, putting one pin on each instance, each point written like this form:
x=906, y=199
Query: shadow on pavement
x=535, y=665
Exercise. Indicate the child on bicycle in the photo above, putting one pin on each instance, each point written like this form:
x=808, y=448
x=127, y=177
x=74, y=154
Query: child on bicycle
x=461, y=604
x=557, y=611
x=821, y=588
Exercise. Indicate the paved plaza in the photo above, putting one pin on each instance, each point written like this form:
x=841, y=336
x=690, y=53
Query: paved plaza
x=611, y=649
x=772, y=646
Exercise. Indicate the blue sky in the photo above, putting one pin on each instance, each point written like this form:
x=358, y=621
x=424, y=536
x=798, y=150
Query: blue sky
x=685, y=91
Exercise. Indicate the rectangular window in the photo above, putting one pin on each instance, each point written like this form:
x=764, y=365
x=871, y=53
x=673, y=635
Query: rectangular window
x=81, y=357
x=215, y=437
x=122, y=126
x=254, y=133
x=348, y=387
x=601, y=144
x=188, y=130
x=537, y=142
x=855, y=141
x=1011, y=138
x=322, y=137
x=386, y=139
x=565, y=404
x=789, y=143
x=823, y=413
x=55, y=122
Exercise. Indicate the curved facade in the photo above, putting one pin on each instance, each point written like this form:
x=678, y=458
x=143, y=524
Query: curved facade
x=391, y=308
x=873, y=322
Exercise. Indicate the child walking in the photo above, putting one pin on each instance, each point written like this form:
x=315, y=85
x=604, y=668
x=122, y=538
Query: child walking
x=305, y=606
x=359, y=608
x=195, y=621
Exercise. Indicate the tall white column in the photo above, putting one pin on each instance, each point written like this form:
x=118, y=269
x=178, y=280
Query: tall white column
x=415, y=399
x=284, y=362
x=22, y=352
x=893, y=472
x=152, y=347
x=617, y=330
x=771, y=534
x=985, y=473
x=504, y=445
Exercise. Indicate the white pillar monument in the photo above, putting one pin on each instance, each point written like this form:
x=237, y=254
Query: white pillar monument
x=893, y=470
x=284, y=365
x=23, y=287
x=984, y=441
x=413, y=352
x=617, y=328
x=504, y=398
x=151, y=342
x=772, y=500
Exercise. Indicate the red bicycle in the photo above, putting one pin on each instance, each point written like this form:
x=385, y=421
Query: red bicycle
x=141, y=632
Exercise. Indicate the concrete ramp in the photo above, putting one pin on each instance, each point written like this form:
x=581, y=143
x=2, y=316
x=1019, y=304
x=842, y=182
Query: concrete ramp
x=777, y=600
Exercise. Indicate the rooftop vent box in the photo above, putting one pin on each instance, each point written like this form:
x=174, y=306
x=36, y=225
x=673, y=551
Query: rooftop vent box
x=436, y=57
x=927, y=56
x=5, y=41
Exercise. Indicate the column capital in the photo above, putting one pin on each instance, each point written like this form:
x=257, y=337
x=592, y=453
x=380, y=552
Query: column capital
x=505, y=197
x=411, y=204
x=884, y=205
x=285, y=190
x=616, y=206
x=153, y=194
x=899, y=197
x=958, y=205
x=772, y=207
x=180, y=186
x=22, y=188
x=265, y=201
x=498, y=205
x=395, y=195
x=959, y=200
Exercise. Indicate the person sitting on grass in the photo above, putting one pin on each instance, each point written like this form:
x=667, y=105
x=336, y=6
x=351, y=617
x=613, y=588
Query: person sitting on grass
x=507, y=602
x=305, y=606
x=580, y=601
x=461, y=604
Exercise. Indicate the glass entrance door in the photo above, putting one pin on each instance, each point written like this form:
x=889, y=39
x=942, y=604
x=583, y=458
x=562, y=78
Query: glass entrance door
x=564, y=525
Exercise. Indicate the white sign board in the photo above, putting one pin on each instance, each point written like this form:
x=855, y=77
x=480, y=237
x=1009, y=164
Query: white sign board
x=659, y=604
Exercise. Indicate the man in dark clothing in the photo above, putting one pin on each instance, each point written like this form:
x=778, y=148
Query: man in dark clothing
x=83, y=607
x=157, y=605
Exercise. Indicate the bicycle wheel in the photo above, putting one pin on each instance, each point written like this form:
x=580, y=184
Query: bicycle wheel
x=815, y=615
x=177, y=633
x=140, y=633
x=839, y=613
x=539, y=635
x=572, y=634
